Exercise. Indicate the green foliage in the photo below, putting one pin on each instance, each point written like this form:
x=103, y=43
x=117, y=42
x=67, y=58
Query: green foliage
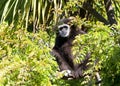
x=103, y=44
x=24, y=57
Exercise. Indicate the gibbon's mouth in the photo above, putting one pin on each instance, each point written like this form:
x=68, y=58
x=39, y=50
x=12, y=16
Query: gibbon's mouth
x=64, y=34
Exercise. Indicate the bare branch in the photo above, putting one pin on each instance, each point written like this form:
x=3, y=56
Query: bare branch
x=110, y=12
x=95, y=13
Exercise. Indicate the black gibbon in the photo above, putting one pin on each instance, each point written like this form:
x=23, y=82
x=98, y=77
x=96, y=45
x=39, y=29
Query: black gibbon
x=62, y=49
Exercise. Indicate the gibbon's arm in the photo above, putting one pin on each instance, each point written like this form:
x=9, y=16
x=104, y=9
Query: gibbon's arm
x=63, y=65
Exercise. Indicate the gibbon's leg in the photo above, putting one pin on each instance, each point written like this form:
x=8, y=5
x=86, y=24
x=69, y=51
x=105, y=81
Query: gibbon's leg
x=82, y=66
x=78, y=73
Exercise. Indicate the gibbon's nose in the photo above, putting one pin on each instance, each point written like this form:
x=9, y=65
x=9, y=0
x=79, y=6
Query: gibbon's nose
x=64, y=32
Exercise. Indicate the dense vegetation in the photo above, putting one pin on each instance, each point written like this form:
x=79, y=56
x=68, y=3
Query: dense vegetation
x=27, y=37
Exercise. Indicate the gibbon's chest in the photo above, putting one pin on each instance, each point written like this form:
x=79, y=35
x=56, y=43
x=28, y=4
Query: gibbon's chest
x=65, y=43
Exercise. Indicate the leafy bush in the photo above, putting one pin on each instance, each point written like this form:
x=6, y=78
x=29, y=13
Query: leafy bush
x=24, y=57
x=103, y=44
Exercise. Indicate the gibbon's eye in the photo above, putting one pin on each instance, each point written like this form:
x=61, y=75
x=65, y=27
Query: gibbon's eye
x=60, y=28
x=65, y=26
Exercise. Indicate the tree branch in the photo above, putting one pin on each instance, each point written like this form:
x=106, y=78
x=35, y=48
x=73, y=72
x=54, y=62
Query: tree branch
x=95, y=13
x=110, y=12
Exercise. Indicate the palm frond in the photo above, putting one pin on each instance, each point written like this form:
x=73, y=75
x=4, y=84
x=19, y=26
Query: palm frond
x=40, y=9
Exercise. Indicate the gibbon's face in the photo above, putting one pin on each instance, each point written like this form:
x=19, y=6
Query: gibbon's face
x=64, y=30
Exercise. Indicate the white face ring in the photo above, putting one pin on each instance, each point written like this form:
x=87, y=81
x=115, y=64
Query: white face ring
x=63, y=26
x=65, y=31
